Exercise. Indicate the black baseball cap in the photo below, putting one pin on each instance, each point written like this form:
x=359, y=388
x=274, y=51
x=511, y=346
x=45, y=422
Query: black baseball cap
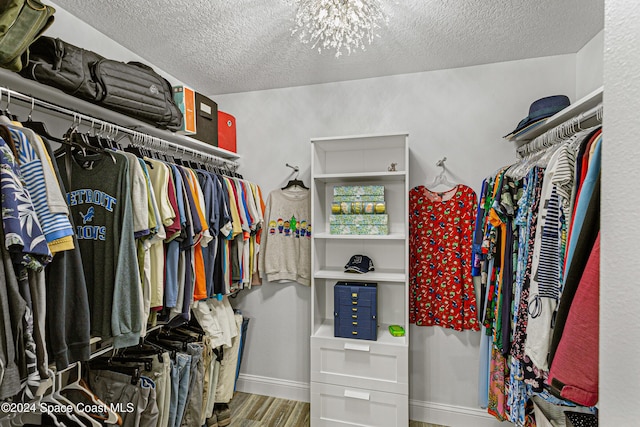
x=359, y=264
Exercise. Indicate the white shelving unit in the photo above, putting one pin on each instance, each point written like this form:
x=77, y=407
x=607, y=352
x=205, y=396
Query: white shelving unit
x=360, y=382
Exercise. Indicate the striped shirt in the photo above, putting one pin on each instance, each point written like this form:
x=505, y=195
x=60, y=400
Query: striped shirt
x=54, y=225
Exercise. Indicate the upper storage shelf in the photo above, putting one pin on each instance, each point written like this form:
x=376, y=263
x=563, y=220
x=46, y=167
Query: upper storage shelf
x=580, y=106
x=358, y=158
x=52, y=95
x=362, y=176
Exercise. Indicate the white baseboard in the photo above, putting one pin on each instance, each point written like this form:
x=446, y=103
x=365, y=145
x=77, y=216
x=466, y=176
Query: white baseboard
x=267, y=386
x=450, y=415
x=428, y=412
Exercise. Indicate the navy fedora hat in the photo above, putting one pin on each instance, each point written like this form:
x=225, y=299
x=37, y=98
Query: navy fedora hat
x=541, y=109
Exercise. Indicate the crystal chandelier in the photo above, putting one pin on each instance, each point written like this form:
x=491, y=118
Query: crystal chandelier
x=338, y=24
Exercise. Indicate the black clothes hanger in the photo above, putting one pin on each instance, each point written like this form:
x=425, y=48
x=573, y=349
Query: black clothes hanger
x=39, y=127
x=107, y=365
x=146, y=349
x=295, y=183
x=145, y=361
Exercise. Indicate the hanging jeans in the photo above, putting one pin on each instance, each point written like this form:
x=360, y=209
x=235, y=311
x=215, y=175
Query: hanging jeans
x=193, y=409
x=179, y=388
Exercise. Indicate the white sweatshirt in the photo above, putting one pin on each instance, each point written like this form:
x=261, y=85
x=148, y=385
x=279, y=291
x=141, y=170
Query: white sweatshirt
x=285, y=248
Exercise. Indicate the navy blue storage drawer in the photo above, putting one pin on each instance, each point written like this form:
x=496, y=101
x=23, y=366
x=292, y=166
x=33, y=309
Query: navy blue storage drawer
x=355, y=307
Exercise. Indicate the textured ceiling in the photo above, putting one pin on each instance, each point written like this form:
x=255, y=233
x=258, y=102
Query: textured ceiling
x=242, y=45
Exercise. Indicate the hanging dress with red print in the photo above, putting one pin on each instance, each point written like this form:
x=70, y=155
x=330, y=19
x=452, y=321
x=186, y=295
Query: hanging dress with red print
x=441, y=291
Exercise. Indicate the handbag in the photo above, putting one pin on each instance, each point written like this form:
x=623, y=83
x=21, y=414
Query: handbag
x=21, y=23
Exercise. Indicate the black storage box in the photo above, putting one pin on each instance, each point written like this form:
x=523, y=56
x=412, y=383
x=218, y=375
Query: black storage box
x=356, y=310
x=206, y=120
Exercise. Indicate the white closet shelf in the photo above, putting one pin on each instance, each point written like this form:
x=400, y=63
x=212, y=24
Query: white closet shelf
x=580, y=106
x=361, y=176
x=372, y=276
x=326, y=330
x=390, y=236
x=55, y=96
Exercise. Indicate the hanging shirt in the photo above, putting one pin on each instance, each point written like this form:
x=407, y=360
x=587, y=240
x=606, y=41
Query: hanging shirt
x=223, y=233
x=174, y=289
x=159, y=175
x=441, y=285
x=209, y=190
x=68, y=336
x=545, y=282
x=173, y=230
x=55, y=199
x=139, y=196
x=99, y=197
x=55, y=226
x=24, y=238
x=286, y=255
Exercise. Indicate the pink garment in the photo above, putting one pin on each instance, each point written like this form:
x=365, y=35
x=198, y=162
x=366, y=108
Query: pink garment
x=574, y=371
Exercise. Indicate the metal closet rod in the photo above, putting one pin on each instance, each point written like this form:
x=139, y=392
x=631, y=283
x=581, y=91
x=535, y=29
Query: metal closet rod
x=561, y=132
x=139, y=138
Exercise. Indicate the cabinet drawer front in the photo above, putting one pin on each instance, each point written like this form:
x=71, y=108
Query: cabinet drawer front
x=333, y=405
x=357, y=311
x=368, y=365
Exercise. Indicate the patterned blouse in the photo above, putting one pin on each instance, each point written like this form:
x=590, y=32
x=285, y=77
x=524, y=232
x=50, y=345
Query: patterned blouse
x=440, y=244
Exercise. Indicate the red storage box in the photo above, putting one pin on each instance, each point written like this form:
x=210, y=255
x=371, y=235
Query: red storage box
x=226, y=131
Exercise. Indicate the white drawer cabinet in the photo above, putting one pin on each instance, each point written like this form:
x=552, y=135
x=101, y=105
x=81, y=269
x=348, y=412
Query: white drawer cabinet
x=351, y=406
x=364, y=364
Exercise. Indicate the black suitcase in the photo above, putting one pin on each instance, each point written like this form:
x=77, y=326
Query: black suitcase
x=130, y=88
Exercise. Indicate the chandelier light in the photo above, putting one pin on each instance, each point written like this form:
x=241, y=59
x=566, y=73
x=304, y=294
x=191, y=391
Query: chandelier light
x=340, y=25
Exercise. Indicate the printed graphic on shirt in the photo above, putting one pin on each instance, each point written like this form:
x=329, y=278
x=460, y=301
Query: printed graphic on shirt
x=88, y=217
x=92, y=198
x=88, y=196
x=290, y=228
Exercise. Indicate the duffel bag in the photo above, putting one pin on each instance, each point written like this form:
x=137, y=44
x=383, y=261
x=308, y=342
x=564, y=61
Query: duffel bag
x=131, y=88
x=21, y=22
x=136, y=90
x=62, y=65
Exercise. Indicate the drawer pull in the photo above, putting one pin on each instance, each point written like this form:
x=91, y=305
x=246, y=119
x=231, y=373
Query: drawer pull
x=354, y=302
x=354, y=323
x=356, y=347
x=354, y=316
x=356, y=394
x=354, y=309
x=354, y=332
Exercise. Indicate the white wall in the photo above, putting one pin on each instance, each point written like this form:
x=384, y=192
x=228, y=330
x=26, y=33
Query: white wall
x=619, y=295
x=589, y=66
x=459, y=113
x=72, y=30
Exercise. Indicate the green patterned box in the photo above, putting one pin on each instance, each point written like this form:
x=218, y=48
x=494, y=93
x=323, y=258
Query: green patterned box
x=359, y=219
x=363, y=198
x=358, y=190
x=359, y=229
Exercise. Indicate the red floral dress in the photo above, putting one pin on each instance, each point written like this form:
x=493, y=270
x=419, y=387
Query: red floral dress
x=440, y=243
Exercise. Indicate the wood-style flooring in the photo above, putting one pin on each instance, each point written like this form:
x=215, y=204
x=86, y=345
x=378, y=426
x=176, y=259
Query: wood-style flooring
x=252, y=410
